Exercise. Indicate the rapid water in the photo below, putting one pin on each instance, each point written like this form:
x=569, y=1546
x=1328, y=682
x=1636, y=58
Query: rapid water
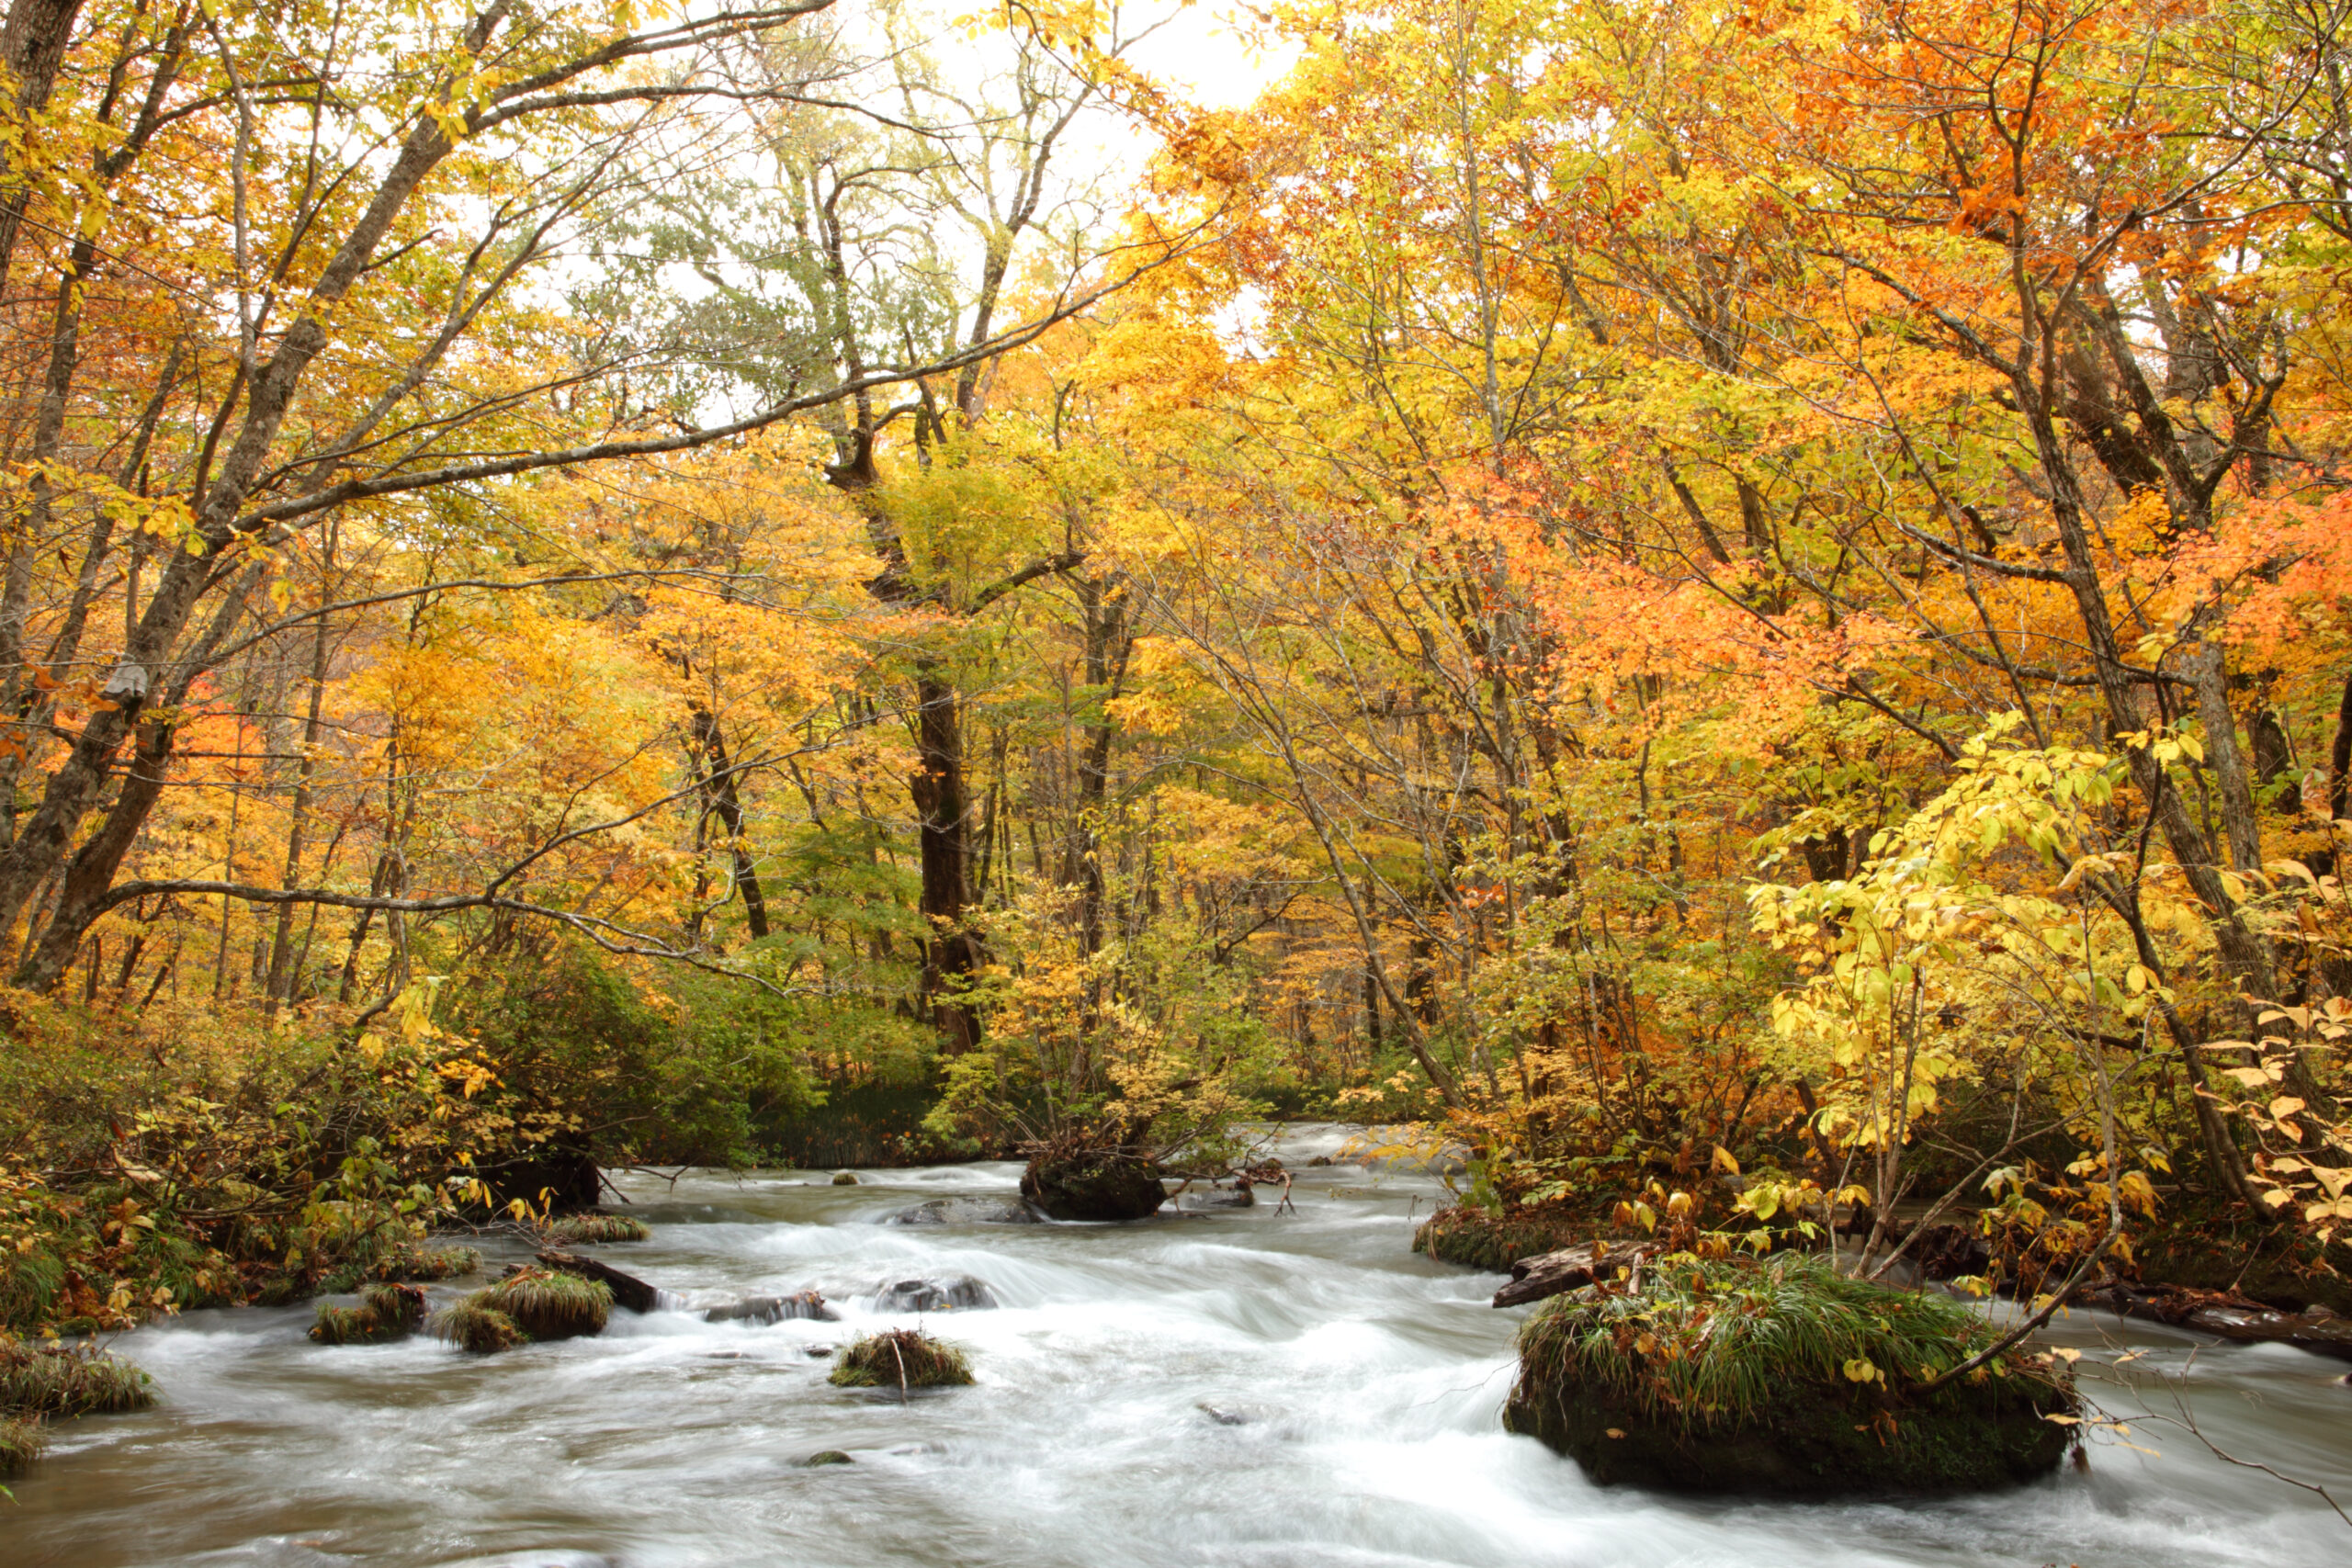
x=1251, y=1389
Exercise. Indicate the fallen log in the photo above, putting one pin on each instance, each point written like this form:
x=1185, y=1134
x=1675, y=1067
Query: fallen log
x=2227, y=1316
x=629, y=1291
x=1571, y=1268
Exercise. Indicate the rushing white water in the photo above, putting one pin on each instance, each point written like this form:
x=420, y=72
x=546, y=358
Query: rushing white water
x=1354, y=1392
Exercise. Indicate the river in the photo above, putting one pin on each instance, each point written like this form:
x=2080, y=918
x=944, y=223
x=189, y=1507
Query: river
x=1251, y=1389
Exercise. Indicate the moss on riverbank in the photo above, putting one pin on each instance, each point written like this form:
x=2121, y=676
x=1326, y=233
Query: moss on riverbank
x=1478, y=1240
x=579, y=1230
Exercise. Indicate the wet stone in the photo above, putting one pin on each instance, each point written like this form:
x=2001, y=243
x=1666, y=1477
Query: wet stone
x=967, y=1212
x=959, y=1292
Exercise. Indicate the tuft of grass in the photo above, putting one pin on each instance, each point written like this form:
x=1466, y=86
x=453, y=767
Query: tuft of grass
x=347, y=1326
x=550, y=1306
x=902, y=1357
x=471, y=1327
x=386, y=1312
x=576, y=1230
x=59, y=1380
x=21, y=1442
x=1713, y=1345
x=401, y=1306
x=29, y=1282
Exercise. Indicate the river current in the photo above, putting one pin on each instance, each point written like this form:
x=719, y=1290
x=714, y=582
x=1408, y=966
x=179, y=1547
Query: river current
x=1251, y=1389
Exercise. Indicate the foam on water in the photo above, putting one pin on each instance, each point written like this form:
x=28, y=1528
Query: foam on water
x=1291, y=1391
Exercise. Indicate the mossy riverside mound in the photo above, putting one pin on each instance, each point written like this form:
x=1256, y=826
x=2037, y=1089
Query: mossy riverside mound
x=1786, y=1378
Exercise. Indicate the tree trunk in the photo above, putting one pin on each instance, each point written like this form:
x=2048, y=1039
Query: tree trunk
x=720, y=800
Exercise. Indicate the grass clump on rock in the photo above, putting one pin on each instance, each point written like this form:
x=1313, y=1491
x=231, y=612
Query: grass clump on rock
x=1784, y=1377
x=385, y=1313
x=473, y=1327
x=529, y=1304
x=902, y=1357
x=547, y=1304
x=576, y=1230
x=64, y=1380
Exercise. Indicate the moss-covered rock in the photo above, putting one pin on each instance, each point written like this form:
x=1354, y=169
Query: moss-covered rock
x=1095, y=1184
x=1783, y=1378
x=1478, y=1240
x=902, y=1357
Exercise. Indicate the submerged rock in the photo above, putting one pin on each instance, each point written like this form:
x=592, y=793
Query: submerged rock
x=1786, y=1379
x=801, y=1304
x=960, y=1291
x=830, y=1456
x=966, y=1211
x=845, y=1179
x=1098, y=1184
x=1215, y=1198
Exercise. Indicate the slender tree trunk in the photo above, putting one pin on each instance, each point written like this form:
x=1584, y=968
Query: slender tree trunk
x=721, y=800
x=279, y=985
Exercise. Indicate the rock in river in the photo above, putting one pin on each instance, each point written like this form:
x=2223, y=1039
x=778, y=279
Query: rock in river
x=956, y=1291
x=1097, y=1184
x=966, y=1211
x=806, y=1305
x=1215, y=1198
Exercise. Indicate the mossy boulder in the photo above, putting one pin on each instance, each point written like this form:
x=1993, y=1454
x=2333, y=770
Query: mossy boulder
x=1094, y=1184
x=1783, y=1378
x=1480, y=1240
